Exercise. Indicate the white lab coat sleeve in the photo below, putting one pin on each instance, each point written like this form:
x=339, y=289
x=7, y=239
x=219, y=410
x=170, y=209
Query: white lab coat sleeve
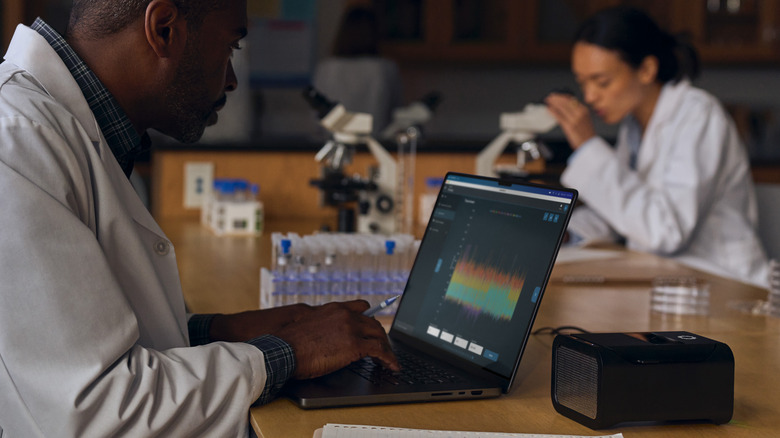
x=587, y=227
x=659, y=217
x=70, y=363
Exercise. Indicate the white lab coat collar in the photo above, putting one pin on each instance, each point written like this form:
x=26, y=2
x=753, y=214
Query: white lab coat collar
x=666, y=111
x=669, y=101
x=30, y=51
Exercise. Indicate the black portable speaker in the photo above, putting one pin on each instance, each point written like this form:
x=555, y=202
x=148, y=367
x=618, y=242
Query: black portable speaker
x=602, y=379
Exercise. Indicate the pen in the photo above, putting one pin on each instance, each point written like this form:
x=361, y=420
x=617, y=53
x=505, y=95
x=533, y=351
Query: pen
x=372, y=311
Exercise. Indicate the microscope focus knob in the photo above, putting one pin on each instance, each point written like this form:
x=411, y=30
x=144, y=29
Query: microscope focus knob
x=384, y=204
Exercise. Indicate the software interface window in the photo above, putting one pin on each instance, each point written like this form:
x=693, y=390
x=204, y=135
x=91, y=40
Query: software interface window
x=486, y=282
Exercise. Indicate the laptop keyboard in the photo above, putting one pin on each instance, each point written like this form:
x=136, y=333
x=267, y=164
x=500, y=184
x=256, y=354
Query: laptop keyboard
x=414, y=370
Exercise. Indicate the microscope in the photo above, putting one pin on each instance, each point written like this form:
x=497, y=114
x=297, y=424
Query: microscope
x=413, y=116
x=374, y=198
x=520, y=128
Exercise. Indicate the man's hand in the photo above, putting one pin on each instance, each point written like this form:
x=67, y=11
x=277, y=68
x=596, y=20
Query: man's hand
x=241, y=327
x=332, y=336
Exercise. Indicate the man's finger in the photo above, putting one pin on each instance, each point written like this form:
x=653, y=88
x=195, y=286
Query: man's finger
x=358, y=306
x=380, y=350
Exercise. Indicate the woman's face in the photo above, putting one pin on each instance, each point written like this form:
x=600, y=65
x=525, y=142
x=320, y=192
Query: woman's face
x=611, y=87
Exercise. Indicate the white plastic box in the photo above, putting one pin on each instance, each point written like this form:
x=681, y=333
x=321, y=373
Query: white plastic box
x=233, y=208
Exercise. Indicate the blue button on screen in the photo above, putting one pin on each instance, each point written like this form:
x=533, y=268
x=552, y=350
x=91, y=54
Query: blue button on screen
x=535, y=295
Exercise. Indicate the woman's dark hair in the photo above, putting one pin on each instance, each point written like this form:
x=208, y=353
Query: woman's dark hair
x=634, y=35
x=358, y=34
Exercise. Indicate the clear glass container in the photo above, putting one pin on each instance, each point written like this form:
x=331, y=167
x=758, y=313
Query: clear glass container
x=680, y=295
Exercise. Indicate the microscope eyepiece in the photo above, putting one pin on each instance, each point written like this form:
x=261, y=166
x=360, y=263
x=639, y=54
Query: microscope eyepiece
x=318, y=101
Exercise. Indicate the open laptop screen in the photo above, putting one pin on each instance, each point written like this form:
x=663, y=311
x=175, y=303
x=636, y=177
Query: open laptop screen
x=482, y=267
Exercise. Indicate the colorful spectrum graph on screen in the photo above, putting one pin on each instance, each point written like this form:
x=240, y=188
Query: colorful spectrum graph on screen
x=483, y=289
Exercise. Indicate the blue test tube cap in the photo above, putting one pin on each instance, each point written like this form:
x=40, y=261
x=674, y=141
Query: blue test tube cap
x=434, y=182
x=286, y=243
x=240, y=184
x=389, y=247
x=229, y=187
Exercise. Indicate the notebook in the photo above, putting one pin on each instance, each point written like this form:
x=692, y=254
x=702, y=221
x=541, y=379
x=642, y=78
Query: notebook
x=331, y=430
x=469, y=304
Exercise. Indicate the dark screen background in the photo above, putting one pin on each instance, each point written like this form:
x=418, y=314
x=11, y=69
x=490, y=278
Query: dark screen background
x=492, y=233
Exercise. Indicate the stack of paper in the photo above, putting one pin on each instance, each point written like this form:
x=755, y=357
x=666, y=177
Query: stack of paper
x=359, y=431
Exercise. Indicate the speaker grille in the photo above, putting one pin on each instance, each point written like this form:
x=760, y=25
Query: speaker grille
x=576, y=381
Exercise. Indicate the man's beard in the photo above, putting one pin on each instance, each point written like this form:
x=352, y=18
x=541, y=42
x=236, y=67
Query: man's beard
x=182, y=99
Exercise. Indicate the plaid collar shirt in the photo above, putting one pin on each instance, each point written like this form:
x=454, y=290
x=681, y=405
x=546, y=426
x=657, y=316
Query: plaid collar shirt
x=122, y=138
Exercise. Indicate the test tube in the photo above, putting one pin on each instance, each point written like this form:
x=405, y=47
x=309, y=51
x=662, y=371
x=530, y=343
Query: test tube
x=306, y=285
x=338, y=281
x=240, y=190
x=323, y=280
x=352, y=271
x=337, y=286
x=295, y=276
x=368, y=270
x=259, y=212
x=279, y=272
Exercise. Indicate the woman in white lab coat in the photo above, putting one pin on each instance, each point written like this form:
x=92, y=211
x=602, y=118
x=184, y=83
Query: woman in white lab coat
x=678, y=182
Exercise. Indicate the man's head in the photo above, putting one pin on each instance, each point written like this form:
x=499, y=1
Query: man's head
x=100, y=18
x=177, y=50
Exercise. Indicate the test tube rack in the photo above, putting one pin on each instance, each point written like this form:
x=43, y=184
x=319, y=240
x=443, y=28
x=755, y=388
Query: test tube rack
x=319, y=268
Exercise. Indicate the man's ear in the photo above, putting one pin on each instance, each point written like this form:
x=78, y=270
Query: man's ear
x=166, y=28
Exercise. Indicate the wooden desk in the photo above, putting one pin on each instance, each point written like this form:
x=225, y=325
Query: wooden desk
x=221, y=275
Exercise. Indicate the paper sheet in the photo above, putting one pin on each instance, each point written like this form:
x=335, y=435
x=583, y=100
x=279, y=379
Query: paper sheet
x=569, y=254
x=362, y=431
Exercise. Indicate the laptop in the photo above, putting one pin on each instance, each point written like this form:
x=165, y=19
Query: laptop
x=469, y=304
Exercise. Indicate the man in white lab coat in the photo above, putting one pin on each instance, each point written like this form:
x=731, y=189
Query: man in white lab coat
x=94, y=339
